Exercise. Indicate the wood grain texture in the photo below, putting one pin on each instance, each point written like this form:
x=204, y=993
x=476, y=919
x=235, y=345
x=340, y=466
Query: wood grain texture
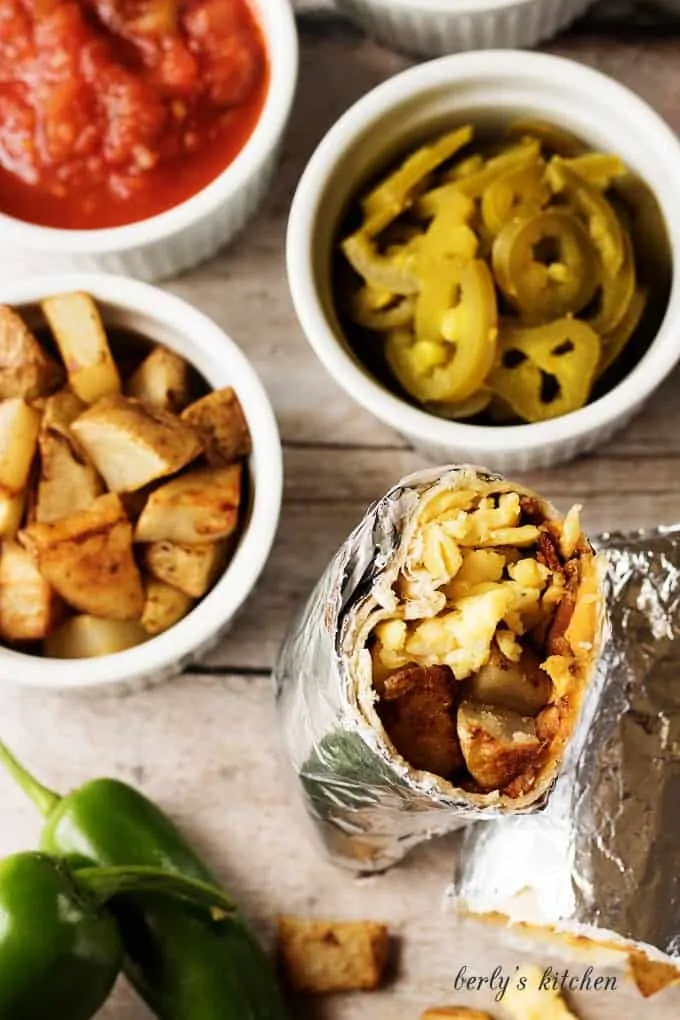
x=205, y=745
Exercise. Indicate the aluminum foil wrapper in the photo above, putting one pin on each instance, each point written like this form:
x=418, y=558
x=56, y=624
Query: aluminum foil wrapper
x=606, y=852
x=369, y=806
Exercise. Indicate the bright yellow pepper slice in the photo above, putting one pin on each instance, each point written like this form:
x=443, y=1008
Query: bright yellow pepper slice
x=616, y=293
x=380, y=311
x=452, y=368
x=555, y=139
x=393, y=271
x=545, y=290
x=597, y=168
x=604, y=226
x=517, y=192
x=546, y=371
x=615, y=342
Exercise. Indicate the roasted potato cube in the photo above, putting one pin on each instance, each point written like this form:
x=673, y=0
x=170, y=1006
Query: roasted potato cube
x=85, y=637
x=162, y=381
x=218, y=417
x=87, y=557
x=497, y=744
x=29, y=607
x=19, y=427
x=417, y=708
x=522, y=686
x=526, y=999
x=200, y=506
x=25, y=369
x=193, y=569
x=455, y=1013
x=11, y=512
x=68, y=481
x=132, y=445
x=164, y=607
x=78, y=329
x=332, y=956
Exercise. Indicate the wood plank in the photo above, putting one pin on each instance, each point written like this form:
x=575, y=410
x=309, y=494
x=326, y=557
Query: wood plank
x=327, y=492
x=230, y=793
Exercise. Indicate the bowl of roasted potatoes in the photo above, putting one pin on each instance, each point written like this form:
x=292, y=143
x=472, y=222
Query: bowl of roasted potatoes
x=140, y=482
x=482, y=252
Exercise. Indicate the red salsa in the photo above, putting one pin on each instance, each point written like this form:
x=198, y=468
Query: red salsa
x=112, y=111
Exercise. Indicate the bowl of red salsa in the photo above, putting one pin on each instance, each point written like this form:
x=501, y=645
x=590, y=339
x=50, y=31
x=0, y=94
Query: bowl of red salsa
x=139, y=135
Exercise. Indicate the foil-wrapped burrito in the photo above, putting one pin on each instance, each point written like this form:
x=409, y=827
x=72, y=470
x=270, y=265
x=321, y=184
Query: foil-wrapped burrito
x=443, y=666
x=605, y=856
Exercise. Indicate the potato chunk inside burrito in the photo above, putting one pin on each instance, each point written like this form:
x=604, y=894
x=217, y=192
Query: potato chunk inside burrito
x=482, y=637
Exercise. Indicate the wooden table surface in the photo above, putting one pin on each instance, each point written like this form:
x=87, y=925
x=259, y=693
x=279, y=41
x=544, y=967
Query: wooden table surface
x=205, y=745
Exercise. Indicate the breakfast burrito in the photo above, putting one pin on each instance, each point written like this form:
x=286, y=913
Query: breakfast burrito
x=440, y=670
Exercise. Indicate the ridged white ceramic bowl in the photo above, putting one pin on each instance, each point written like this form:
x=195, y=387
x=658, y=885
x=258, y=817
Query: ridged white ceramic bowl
x=166, y=319
x=431, y=28
x=416, y=104
x=173, y=241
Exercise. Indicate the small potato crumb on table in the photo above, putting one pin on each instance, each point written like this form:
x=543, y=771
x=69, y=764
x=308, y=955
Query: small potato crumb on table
x=204, y=745
x=332, y=956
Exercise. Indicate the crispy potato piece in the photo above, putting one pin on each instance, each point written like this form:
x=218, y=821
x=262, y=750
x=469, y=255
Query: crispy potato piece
x=200, y=506
x=25, y=369
x=29, y=607
x=651, y=976
x=221, y=424
x=193, y=569
x=132, y=445
x=417, y=709
x=85, y=637
x=332, y=956
x=522, y=686
x=68, y=481
x=78, y=329
x=11, y=512
x=19, y=427
x=87, y=557
x=533, y=1002
x=164, y=607
x=162, y=381
x=497, y=744
x=454, y=1013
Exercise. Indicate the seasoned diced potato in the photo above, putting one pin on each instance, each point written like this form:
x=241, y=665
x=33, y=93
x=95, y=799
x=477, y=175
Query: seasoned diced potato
x=521, y=686
x=193, y=569
x=25, y=369
x=200, y=506
x=29, y=607
x=68, y=481
x=332, y=956
x=11, y=512
x=527, y=998
x=497, y=744
x=132, y=445
x=164, y=607
x=78, y=329
x=85, y=637
x=19, y=426
x=162, y=380
x=219, y=420
x=87, y=557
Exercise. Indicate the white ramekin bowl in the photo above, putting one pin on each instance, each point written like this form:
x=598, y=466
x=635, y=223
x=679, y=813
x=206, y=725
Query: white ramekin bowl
x=479, y=87
x=168, y=320
x=189, y=233
x=431, y=28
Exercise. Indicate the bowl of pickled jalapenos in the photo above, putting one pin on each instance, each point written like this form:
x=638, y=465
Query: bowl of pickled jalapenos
x=499, y=274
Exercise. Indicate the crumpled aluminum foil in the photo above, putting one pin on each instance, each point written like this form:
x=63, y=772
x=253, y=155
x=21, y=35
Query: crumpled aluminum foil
x=606, y=852
x=370, y=809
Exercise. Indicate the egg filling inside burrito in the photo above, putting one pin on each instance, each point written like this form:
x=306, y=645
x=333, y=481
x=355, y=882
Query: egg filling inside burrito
x=482, y=637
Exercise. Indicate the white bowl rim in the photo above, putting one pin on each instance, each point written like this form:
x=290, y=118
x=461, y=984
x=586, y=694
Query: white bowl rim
x=659, y=359
x=452, y=8
x=220, y=605
x=277, y=21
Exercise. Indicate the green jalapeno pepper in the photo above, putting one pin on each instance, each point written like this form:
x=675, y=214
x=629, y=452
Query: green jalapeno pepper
x=184, y=964
x=60, y=949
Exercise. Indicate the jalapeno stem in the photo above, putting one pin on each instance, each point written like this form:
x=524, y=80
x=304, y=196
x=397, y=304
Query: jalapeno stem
x=45, y=800
x=105, y=883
